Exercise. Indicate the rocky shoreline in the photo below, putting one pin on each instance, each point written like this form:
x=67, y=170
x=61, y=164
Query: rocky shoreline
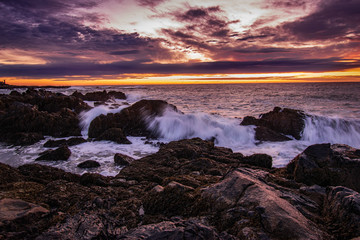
x=189, y=189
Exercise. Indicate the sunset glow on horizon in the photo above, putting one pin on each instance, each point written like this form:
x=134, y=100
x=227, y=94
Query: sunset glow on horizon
x=125, y=42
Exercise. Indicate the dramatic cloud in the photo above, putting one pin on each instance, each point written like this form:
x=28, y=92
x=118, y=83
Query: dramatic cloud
x=58, y=38
x=266, y=66
x=333, y=19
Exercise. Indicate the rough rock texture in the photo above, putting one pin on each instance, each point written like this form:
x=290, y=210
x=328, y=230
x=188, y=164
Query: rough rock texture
x=132, y=120
x=283, y=121
x=89, y=164
x=115, y=135
x=266, y=134
x=25, y=118
x=342, y=211
x=245, y=192
x=12, y=209
x=260, y=160
x=189, y=189
x=122, y=159
x=325, y=164
x=69, y=142
x=60, y=154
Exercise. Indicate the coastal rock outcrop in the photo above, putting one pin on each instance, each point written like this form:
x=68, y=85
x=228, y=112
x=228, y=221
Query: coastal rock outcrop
x=25, y=118
x=188, y=189
x=283, y=121
x=99, y=96
x=89, y=164
x=115, y=135
x=132, y=120
x=327, y=165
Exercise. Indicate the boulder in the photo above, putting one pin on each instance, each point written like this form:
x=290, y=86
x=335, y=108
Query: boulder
x=122, y=159
x=34, y=114
x=115, y=135
x=251, y=199
x=132, y=120
x=342, y=211
x=89, y=164
x=69, y=142
x=260, y=160
x=22, y=138
x=282, y=120
x=60, y=154
x=12, y=209
x=327, y=165
x=266, y=134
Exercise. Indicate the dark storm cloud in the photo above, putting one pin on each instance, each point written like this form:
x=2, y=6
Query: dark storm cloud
x=194, y=14
x=262, y=50
x=95, y=69
x=126, y=52
x=252, y=38
x=44, y=26
x=285, y=3
x=150, y=3
x=334, y=18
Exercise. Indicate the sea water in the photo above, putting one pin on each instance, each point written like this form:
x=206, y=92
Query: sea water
x=214, y=111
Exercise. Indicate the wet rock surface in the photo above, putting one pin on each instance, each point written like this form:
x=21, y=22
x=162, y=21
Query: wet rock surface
x=60, y=154
x=89, y=164
x=69, y=142
x=325, y=164
x=25, y=118
x=132, y=120
x=122, y=159
x=283, y=121
x=189, y=189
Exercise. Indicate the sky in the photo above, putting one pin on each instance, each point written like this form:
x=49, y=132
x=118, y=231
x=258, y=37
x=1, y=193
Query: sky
x=88, y=42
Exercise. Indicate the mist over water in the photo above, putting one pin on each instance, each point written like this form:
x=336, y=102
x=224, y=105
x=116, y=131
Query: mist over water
x=214, y=112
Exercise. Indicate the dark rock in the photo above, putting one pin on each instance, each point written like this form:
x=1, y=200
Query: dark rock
x=9, y=174
x=249, y=120
x=89, y=164
x=69, y=142
x=327, y=165
x=285, y=121
x=84, y=226
x=122, y=159
x=266, y=134
x=23, y=138
x=260, y=160
x=99, y=96
x=132, y=120
x=342, y=210
x=12, y=209
x=177, y=230
x=35, y=113
x=60, y=154
x=277, y=218
x=115, y=135
x=45, y=174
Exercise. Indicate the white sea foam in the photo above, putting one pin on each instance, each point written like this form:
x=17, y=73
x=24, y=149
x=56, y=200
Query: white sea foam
x=87, y=116
x=331, y=130
x=225, y=132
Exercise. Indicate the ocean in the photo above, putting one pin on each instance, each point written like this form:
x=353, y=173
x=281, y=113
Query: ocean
x=213, y=110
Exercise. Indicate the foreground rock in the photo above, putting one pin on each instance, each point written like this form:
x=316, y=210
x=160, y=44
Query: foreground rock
x=60, y=154
x=115, y=135
x=189, y=189
x=132, y=120
x=325, y=164
x=282, y=121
